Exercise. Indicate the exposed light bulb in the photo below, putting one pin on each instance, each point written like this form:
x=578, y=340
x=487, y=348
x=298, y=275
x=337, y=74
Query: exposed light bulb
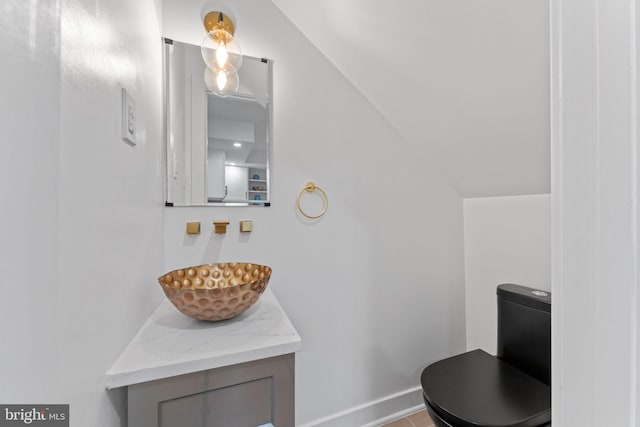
x=221, y=52
x=221, y=80
x=222, y=55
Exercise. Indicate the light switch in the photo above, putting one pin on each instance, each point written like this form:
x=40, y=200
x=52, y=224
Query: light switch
x=128, y=117
x=246, y=226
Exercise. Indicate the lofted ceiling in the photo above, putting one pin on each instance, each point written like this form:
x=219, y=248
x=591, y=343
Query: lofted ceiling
x=466, y=82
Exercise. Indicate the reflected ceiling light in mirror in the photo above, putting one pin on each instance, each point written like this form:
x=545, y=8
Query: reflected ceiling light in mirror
x=237, y=144
x=220, y=49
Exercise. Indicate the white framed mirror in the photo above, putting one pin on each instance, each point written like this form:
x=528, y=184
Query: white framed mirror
x=218, y=148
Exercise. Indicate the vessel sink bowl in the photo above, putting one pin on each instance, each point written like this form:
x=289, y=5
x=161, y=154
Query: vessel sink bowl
x=215, y=291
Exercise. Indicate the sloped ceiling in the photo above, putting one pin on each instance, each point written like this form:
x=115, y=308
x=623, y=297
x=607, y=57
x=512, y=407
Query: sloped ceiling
x=465, y=81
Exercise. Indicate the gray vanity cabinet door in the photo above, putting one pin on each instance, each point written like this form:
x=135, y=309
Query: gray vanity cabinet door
x=246, y=404
x=246, y=395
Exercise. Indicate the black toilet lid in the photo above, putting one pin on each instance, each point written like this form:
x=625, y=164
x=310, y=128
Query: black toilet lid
x=476, y=389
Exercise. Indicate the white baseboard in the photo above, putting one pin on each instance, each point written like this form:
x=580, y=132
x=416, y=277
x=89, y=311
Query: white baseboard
x=374, y=413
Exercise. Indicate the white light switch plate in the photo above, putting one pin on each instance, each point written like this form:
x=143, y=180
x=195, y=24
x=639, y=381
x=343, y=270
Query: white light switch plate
x=128, y=117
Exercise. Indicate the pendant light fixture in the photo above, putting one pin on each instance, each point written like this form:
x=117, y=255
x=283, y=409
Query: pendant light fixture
x=222, y=54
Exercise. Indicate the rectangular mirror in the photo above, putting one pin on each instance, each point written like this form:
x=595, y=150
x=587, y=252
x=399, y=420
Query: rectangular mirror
x=218, y=147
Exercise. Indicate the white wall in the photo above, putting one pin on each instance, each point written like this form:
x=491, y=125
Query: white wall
x=465, y=81
x=506, y=240
x=82, y=217
x=29, y=175
x=375, y=288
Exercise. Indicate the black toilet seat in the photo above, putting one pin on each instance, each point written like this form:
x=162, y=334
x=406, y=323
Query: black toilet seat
x=475, y=389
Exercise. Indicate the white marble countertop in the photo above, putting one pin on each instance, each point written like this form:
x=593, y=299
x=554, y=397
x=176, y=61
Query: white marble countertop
x=171, y=343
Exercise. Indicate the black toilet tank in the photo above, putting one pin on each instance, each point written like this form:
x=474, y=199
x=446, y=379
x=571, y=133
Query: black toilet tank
x=524, y=329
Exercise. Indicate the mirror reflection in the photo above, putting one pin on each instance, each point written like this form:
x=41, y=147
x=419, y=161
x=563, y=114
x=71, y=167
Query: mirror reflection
x=218, y=147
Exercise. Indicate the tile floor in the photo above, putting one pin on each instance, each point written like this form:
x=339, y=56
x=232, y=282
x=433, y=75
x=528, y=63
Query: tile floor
x=418, y=419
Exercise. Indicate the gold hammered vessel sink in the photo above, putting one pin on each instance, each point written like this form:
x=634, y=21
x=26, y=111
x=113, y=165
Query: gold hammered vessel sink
x=215, y=291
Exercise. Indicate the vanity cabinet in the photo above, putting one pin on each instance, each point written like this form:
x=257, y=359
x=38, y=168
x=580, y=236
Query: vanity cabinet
x=181, y=372
x=245, y=395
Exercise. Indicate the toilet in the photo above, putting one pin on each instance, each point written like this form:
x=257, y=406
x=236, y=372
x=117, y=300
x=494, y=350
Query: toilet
x=512, y=389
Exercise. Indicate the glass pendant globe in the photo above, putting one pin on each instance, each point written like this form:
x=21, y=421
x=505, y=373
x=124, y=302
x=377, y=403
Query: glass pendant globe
x=221, y=51
x=221, y=82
